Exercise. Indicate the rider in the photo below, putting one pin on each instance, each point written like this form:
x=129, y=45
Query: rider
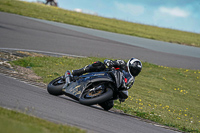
x=130, y=70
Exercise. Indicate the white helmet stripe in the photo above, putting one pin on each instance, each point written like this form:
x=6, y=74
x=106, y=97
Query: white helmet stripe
x=128, y=66
x=134, y=60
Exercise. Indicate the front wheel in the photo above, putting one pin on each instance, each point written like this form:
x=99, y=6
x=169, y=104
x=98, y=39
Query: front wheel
x=55, y=86
x=96, y=95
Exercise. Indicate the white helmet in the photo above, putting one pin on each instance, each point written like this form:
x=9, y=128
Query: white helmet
x=134, y=66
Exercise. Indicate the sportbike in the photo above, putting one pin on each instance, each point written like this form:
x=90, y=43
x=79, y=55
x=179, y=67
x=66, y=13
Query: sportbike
x=92, y=88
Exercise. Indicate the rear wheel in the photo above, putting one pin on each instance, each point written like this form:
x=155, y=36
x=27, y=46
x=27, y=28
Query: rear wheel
x=98, y=94
x=55, y=86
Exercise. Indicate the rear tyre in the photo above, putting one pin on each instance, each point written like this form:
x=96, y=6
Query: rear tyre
x=55, y=86
x=90, y=99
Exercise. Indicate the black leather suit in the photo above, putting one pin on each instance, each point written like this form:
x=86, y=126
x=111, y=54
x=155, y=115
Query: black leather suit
x=117, y=64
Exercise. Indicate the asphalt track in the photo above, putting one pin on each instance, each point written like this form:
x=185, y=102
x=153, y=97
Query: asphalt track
x=22, y=33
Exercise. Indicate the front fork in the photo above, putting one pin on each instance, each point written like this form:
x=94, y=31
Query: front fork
x=67, y=77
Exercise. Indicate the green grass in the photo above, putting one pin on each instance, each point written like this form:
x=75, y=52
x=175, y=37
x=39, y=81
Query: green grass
x=42, y=11
x=16, y=122
x=169, y=96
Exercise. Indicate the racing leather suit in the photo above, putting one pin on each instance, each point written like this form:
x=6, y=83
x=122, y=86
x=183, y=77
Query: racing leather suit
x=98, y=66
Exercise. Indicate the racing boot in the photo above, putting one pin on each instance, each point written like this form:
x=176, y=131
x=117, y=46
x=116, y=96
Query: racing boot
x=81, y=71
x=78, y=72
x=95, y=67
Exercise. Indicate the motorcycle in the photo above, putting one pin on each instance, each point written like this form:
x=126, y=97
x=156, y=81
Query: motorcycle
x=91, y=88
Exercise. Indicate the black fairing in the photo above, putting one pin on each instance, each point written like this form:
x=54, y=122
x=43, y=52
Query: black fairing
x=75, y=89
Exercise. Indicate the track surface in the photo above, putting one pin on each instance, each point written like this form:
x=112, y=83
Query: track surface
x=22, y=33
x=135, y=41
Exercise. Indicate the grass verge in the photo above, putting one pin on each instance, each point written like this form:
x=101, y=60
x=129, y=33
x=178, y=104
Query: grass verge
x=169, y=96
x=16, y=122
x=42, y=11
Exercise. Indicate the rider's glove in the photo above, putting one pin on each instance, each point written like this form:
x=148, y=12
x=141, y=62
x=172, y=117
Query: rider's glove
x=108, y=63
x=120, y=62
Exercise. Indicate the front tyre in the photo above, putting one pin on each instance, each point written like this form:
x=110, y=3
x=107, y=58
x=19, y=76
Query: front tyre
x=90, y=98
x=55, y=86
